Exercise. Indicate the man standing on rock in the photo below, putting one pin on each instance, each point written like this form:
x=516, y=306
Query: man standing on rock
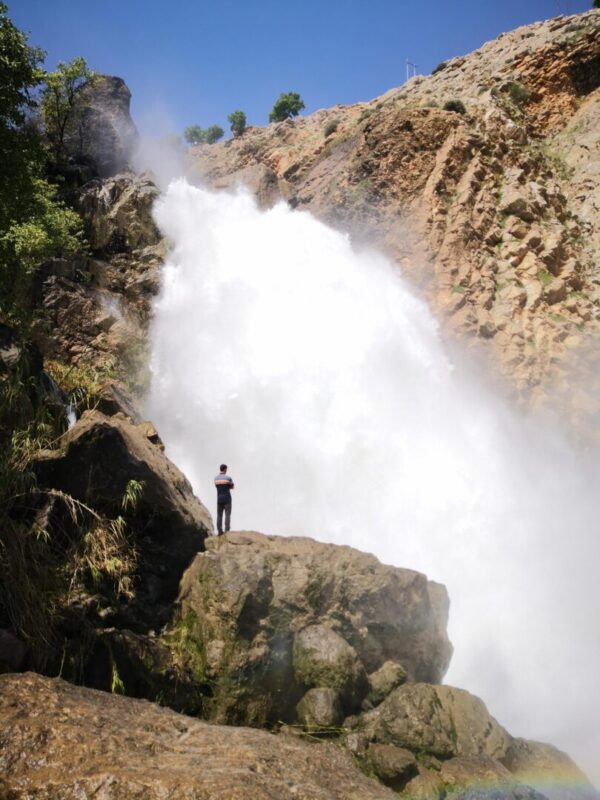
x=224, y=486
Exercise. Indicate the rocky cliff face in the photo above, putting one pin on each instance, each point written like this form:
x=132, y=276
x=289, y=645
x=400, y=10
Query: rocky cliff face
x=493, y=212
x=93, y=309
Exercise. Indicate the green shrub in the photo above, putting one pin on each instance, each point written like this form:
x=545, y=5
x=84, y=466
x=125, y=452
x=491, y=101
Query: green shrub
x=518, y=93
x=237, y=121
x=457, y=106
x=331, y=127
x=63, y=103
x=197, y=135
x=441, y=66
x=287, y=105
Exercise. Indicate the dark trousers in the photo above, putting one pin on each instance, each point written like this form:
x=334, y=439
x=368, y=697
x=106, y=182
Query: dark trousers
x=223, y=506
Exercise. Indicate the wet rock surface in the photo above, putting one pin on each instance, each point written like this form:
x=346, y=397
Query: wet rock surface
x=61, y=742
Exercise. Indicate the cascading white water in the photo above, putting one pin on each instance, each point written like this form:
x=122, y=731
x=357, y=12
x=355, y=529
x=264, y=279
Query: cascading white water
x=315, y=373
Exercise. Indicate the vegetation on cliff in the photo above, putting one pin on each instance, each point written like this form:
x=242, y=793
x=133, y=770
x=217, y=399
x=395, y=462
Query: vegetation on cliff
x=50, y=544
x=34, y=225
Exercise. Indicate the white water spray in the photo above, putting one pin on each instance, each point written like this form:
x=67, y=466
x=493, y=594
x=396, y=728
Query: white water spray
x=318, y=377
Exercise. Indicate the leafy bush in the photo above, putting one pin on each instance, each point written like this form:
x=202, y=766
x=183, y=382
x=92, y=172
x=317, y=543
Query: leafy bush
x=33, y=225
x=197, y=135
x=237, y=120
x=518, y=93
x=441, y=66
x=63, y=103
x=331, y=127
x=455, y=105
x=214, y=133
x=286, y=106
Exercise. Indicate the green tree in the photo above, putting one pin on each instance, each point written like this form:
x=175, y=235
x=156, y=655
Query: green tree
x=63, y=103
x=33, y=226
x=214, y=133
x=21, y=73
x=197, y=135
x=194, y=134
x=287, y=105
x=457, y=106
x=596, y=4
x=237, y=120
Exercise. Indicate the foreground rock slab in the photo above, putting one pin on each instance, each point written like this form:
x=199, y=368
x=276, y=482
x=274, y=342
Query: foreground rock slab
x=59, y=741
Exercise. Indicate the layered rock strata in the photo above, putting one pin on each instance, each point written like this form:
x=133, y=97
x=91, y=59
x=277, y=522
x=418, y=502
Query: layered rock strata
x=492, y=212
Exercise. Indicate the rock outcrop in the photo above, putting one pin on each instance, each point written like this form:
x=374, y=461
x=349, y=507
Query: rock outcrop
x=295, y=635
x=96, y=463
x=106, y=136
x=492, y=212
x=94, y=308
x=267, y=620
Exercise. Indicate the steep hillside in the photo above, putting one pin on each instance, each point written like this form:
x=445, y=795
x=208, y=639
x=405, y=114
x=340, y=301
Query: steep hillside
x=494, y=212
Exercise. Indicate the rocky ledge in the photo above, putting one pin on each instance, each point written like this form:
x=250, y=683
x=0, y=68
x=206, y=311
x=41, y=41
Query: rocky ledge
x=62, y=742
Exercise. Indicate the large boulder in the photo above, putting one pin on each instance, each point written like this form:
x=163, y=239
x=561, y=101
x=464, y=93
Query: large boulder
x=323, y=658
x=63, y=742
x=320, y=708
x=548, y=769
x=95, y=463
x=383, y=680
x=441, y=720
x=469, y=778
x=462, y=750
x=263, y=619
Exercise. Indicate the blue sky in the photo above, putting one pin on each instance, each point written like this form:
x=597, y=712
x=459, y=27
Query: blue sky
x=193, y=62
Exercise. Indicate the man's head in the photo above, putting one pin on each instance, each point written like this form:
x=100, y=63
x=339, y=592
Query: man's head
x=223, y=467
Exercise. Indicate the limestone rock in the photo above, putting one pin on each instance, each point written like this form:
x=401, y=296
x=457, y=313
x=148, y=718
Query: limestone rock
x=259, y=179
x=320, y=708
x=115, y=398
x=470, y=778
x=515, y=204
x=62, y=742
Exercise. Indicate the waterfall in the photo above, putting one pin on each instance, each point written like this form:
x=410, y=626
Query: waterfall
x=316, y=374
